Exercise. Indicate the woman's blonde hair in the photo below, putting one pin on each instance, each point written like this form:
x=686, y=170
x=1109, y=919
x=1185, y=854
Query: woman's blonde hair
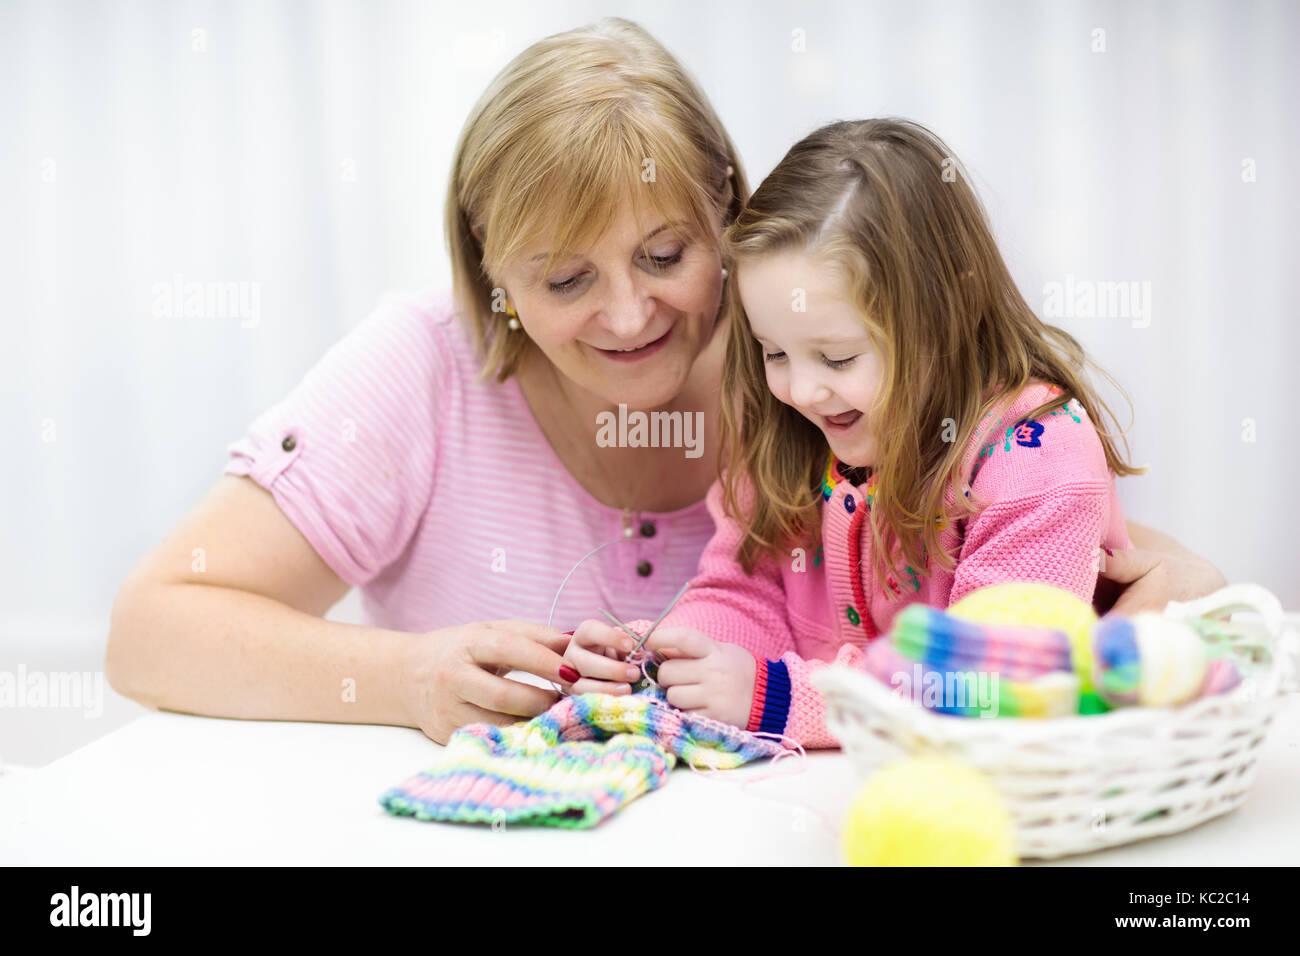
x=569, y=130
x=886, y=202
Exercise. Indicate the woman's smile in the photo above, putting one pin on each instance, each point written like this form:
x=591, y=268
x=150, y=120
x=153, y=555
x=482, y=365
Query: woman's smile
x=636, y=353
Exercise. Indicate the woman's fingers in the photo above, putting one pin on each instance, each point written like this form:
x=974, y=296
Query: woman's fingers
x=1154, y=578
x=514, y=651
x=595, y=635
x=504, y=696
x=588, y=686
x=546, y=636
x=1144, y=581
x=597, y=653
x=599, y=667
x=1128, y=565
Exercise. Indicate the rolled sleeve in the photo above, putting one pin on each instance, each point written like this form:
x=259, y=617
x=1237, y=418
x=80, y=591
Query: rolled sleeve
x=349, y=453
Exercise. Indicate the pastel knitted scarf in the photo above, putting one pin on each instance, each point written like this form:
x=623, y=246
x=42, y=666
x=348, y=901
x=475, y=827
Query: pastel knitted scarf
x=573, y=766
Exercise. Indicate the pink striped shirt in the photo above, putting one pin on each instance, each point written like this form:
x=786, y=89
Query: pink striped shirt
x=439, y=497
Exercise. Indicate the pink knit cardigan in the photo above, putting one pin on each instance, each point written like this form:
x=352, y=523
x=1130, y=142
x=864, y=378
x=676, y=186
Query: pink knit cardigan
x=1049, y=509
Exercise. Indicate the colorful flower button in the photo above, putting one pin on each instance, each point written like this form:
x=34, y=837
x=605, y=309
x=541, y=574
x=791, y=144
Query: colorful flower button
x=1027, y=434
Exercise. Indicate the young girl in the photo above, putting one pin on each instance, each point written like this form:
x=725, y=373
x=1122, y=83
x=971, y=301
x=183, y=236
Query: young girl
x=904, y=429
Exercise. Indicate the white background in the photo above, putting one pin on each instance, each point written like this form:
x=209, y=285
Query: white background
x=305, y=147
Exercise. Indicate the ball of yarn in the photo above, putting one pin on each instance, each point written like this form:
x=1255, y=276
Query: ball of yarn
x=1041, y=605
x=1148, y=659
x=929, y=811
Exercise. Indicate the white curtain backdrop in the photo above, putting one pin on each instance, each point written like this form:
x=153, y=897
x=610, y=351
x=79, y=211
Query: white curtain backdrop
x=302, y=150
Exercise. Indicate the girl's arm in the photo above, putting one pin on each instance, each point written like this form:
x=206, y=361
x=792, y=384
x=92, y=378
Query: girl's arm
x=730, y=646
x=727, y=682
x=1048, y=508
x=1053, y=535
x=727, y=624
x=726, y=603
x=733, y=645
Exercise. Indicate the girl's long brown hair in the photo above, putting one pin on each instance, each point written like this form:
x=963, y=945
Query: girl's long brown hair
x=886, y=201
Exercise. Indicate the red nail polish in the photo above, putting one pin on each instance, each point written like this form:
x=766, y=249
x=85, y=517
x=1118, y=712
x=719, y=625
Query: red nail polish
x=567, y=673
x=1108, y=551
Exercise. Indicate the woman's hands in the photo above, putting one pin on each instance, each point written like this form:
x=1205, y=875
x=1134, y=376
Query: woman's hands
x=456, y=675
x=699, y=674
x=1156, y=571
x=597, y=661
x=705, y=676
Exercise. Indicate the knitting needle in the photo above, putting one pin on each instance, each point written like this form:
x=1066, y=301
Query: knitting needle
x=630, y=633
x=655, y=655
x=619, y=624
x=642, y=638
x=672, y=605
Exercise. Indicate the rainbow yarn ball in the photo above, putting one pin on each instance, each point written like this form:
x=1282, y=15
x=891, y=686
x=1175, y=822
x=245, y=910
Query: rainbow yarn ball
x=928, y=811
x=1037, y=604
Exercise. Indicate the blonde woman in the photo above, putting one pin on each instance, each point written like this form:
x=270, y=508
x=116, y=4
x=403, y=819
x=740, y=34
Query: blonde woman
x=455, y=456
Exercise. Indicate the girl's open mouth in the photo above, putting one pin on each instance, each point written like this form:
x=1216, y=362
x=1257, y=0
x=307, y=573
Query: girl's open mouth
x=841, y=422
x=636, y=354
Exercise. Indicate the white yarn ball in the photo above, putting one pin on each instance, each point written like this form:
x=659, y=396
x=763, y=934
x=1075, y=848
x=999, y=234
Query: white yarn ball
x=1173, y=660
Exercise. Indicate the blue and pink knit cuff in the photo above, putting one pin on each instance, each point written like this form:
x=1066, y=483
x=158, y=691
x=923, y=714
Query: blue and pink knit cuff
x=771, y=705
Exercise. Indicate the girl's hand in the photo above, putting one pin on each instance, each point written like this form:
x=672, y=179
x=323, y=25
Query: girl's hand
x=705, y=676
x=457, y=675
x=595, y=661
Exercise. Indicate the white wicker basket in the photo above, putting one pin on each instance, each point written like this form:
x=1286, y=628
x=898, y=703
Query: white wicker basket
x=1076, y=784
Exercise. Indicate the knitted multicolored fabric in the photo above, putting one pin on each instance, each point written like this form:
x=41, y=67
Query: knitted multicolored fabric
x=1145, y=660
x=581, y=761
x=927, y=648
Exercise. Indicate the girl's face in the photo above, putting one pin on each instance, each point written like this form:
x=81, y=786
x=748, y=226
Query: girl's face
x=622, y=323
x=819, y=357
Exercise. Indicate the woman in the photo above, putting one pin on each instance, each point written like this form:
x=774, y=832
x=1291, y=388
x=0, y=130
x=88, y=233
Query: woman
x=455, y=461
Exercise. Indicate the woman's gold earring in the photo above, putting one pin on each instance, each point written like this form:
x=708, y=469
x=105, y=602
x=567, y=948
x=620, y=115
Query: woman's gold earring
x=724, y=272
x=514, y=317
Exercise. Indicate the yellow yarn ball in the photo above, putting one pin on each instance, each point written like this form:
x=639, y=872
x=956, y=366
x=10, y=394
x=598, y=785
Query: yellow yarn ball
x=929, y=811
x=1036, y=604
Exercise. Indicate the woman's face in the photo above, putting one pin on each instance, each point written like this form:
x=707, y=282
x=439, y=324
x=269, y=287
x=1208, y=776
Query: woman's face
x=627, y=318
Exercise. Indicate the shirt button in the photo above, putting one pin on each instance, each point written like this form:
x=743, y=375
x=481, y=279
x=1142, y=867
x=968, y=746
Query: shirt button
x=849, y=504
x=647, y=529
x=644, y=568
x=288, y=444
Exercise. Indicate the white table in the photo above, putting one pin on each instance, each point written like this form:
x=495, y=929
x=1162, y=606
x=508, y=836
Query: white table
x=175, y=789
